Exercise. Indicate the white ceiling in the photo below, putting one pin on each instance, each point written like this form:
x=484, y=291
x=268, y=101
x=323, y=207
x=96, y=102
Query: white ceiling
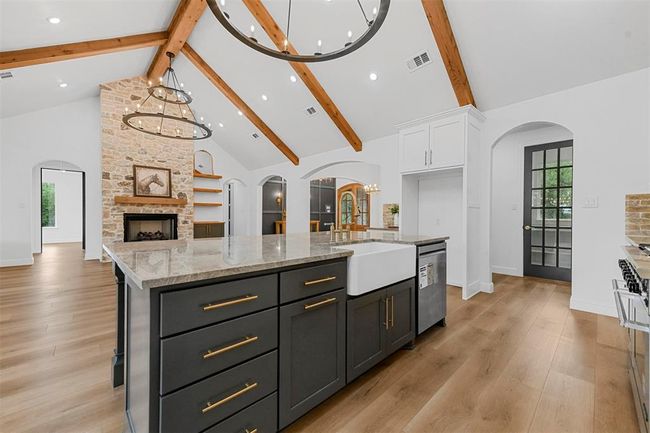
x=512, y=51
x=517, y=50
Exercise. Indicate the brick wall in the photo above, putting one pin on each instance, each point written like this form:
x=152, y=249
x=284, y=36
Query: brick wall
x=637, y=215
x=122, y=147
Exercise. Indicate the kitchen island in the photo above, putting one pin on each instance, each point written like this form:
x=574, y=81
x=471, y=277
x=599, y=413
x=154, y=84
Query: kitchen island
x=244, y=333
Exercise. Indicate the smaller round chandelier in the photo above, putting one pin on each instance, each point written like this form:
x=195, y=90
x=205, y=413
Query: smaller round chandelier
x=371, y=188
x=371, y=21
x=168, y=113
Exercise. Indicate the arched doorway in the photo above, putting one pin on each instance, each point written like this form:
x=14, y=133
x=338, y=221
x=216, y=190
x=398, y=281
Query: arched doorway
x=274, y=211
x=353, y=207
x=531, y=206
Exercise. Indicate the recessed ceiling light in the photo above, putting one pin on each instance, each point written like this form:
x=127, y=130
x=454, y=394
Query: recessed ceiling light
x=293, y=78
x=63, y=85
x=220, y=125
x=240, y=113
x=54, y=20
x=264, y=97
x=373, y=76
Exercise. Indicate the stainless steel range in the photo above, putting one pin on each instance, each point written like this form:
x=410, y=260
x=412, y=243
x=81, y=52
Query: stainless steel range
x=631, y=296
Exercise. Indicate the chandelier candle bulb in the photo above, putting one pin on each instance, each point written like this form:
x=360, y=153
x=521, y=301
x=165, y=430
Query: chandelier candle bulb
x=319, y=46
x=349, y=42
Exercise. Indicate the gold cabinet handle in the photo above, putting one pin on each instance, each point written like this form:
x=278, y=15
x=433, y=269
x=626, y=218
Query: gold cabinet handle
x=322, y=280
x=386, y=311
x=318, y=304
x=209, y=406
x=392, y=311
x=246, y=298
x=245, y=341
x=251, y=431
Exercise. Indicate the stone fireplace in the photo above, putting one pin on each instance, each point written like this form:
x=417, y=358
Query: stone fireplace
x=150, y=227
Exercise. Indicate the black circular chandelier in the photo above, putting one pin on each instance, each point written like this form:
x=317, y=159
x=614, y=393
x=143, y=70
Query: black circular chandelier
x=168, y=114
x=285, y=51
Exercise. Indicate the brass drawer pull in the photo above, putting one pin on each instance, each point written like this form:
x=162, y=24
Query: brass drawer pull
x=245, y=341
x=246, y=298
x=322, y=280
x=318, y=304
x=209, y=406
x=251, y=431
x=386, y=311
x=392, y=311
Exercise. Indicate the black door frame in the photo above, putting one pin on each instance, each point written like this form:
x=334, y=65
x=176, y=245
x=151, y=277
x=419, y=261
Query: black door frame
x=83, y=204
x=541, y=271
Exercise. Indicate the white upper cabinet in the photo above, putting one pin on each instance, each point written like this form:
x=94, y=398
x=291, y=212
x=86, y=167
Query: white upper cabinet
x=436, y=142
x=447, y=142
x=414, y=148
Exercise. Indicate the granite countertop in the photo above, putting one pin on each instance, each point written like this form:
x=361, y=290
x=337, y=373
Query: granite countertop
x=162, y=263
x=639, y=260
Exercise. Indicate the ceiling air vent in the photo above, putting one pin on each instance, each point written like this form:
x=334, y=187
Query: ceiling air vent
x=311, y=111
x=418, y=61
x=7, y=74
x=256, y=135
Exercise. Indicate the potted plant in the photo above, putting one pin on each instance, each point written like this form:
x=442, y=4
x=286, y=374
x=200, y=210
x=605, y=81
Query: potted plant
x=394, y=210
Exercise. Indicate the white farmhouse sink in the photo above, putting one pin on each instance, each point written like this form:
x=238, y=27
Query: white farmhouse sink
x=376, y=264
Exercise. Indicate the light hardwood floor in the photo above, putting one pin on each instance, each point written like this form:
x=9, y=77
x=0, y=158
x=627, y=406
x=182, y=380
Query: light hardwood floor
x=513, y=361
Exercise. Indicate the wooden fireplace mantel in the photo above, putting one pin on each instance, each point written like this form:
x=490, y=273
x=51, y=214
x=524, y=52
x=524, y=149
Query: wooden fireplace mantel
x=124, y=199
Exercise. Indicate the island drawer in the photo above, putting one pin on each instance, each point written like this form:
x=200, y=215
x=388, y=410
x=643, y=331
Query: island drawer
x=183, y=310
x=199, y=406
x=261, y=417
x=312, y=281
x=191, y=356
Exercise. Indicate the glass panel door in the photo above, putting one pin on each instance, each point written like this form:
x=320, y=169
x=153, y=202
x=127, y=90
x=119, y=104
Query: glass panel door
x=548, y=210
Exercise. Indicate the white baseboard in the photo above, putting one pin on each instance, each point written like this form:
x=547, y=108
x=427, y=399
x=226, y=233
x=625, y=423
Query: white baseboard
x=592, y=307
x=487, y=287
x=472, y=289
x=17, y=262
x=506, y=270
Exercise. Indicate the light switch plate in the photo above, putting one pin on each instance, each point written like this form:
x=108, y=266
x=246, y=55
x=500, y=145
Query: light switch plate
x=590, y=202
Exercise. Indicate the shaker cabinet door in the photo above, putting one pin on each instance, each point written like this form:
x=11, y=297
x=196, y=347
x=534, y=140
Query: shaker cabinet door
x=447, y=143
x=401, y=318
x=367, y=325
x=414, y=148
x=312, y=353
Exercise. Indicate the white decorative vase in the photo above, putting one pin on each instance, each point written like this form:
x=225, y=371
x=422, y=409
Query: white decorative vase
x=396, y=220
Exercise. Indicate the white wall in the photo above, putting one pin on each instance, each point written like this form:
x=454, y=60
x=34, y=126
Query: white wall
x=508, y=194
x=67, y=207
x=70, y=133
x=377, y=163
x=609, y=120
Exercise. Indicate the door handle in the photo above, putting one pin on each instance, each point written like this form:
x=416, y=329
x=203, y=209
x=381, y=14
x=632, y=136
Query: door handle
x=425, y=157
x=526, y=227
x=386, y=313
x=392, y=311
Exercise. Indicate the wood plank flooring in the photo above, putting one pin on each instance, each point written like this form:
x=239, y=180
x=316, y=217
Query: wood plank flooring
x=516, y=360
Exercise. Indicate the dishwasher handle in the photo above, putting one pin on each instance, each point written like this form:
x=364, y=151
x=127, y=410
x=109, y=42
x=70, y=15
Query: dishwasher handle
x=432, y=248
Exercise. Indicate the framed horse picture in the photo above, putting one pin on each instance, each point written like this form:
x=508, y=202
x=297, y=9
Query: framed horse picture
x=152, y=181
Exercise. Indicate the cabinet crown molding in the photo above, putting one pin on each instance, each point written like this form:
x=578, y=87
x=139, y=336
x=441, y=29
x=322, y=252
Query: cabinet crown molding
x=466, y=109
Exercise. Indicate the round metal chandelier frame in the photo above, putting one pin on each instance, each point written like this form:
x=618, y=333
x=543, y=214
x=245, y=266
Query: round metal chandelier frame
x=373, y=27
x=171, y=93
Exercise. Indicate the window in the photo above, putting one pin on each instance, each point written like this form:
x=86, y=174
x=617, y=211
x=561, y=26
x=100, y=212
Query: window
x=48, y=216
x=347, y=208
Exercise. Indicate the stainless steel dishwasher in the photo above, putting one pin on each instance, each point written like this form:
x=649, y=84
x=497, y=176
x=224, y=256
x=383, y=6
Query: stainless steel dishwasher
x=432, y=285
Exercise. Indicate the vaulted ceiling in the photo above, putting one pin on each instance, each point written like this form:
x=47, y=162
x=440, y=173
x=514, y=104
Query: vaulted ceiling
x=512, y=51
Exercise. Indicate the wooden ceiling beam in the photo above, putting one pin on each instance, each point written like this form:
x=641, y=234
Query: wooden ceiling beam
x=444, y=36
x=229, y=93
x=185, y=19
x=77, y=50
x=271, y=28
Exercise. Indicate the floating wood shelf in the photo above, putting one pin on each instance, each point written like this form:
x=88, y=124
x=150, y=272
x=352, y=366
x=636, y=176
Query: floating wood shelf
x=207, y=204
x=207, y=176
x=209, y=222
x=124, y=199
x=215, y=190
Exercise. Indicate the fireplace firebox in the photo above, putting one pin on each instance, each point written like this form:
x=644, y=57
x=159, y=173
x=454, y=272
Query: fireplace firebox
x=150, y=227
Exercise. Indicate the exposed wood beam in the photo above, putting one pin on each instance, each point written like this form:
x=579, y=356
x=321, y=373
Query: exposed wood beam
x=77, y=50
x=269, y=25
x=444, y=36
x=186, y=16
x=229, y=93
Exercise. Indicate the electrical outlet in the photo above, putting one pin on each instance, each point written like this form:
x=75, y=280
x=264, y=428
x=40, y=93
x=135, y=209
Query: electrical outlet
x=590, y=202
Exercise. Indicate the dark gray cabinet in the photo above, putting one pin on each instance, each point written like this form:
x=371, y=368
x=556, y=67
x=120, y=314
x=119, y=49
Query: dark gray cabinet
x=379, y=323
x=312, y=353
